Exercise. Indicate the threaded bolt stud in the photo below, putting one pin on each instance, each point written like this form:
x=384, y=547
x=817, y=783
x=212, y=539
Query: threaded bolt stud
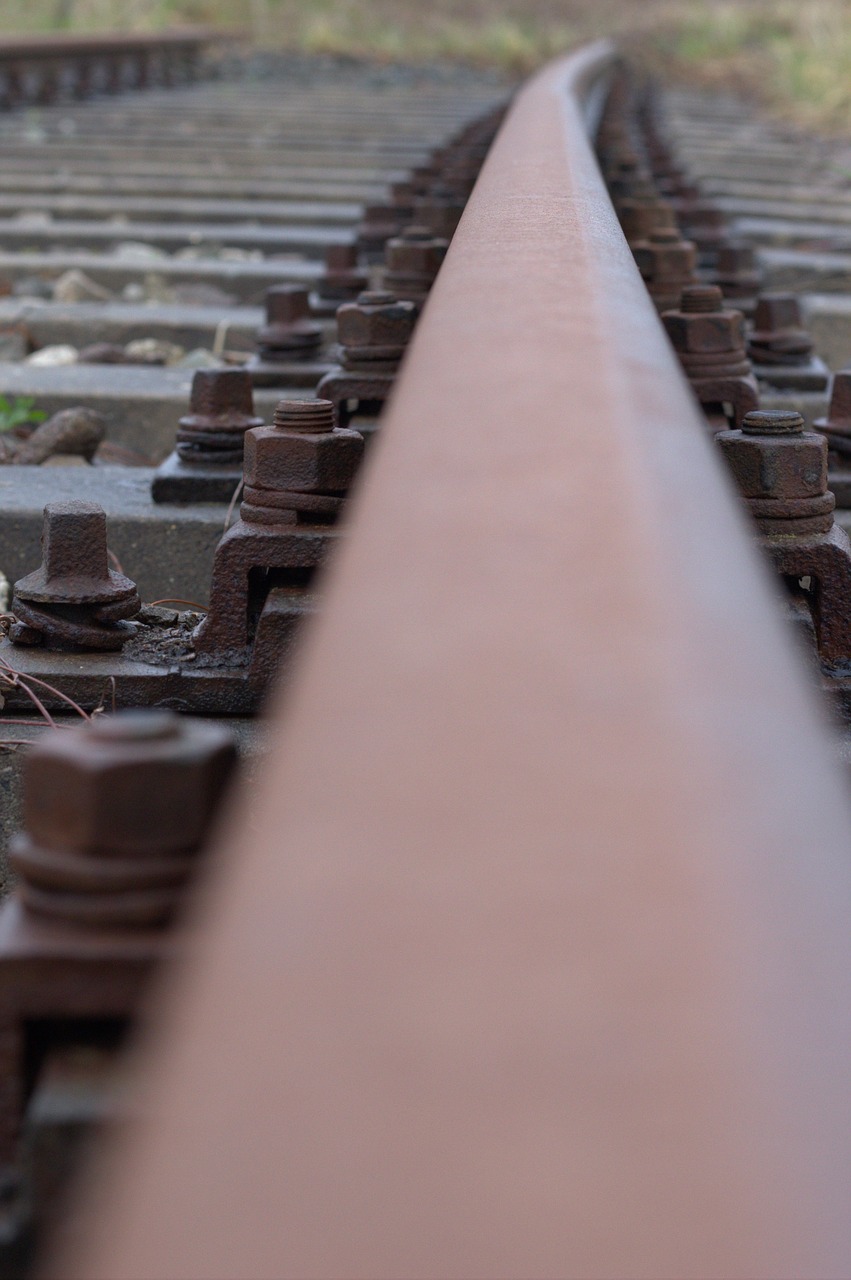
x=772, y=422
x=313, y=416
x=700, y=298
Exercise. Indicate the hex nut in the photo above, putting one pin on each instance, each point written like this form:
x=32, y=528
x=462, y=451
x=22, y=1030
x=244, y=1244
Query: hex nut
x=792, y=466
x=705, y=334
x=420, y=257
x=149, y=790
x=388, y=323
x=675, y=261
x=323, y=462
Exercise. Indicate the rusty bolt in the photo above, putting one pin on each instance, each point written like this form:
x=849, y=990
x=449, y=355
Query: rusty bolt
x=413, y=260
x=302, y=452
x=710, y=343
x=781, y=470
x=457, y=182
x=667, y=265
x=113, y=813
x=416, y=251
x=686, y=197
x=289, y=332
x=342, y=278
x=74, y=600
x=736, y=271
x=624, y=173
x=341, y=257
x=838, y=420
x=703, y=327
x=402, y=196
x=421, y=178
x=670, y=184
x=380, y=222
x=642, y=190
x=221, y=410
x=440, y=211
x=702, y=215
x=837, y=425
x=375, y=329
x=779, y=337
x=641, y=216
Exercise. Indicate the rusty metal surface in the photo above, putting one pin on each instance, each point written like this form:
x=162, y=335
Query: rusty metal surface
x=643, y=214
x=342, y=280
x=411, y=263
x=837, y=427
x=288, y=345
x=778, y=335
x=289, y=332
x=295, y=478
x=535, y=958
x=71, y=611
x=736, y=272
x=206, y=465
x=373, y=331
x=667, y=264
x=95, y=680
x=709, y=339
x=297, y=473
x=221, y=410
x=781, y=470
x=116, y=813
x=780, y=347
x=74, y=600
x=434, y=194
x=440, y=211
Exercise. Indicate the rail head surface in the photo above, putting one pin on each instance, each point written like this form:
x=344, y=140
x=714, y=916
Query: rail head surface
x=534, y=958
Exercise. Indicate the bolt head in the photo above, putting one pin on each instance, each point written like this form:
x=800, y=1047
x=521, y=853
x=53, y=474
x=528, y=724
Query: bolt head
x=702, y=214
x=777, y=311
x=736, y=256
x=341, y=257
x=840, y=397
x=134, y=784
x=222, y=393
x=286, y=304
x=75, y=568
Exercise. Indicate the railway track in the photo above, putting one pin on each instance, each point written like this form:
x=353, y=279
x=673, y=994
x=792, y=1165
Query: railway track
x=541, y=970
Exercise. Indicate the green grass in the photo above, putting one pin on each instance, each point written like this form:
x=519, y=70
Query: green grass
x=504, y=39
x=19, y=412
x=795, y=55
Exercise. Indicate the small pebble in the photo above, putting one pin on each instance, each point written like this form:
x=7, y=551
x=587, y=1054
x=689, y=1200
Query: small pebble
x=137, y=251
x=48, y=357
x=153, y=351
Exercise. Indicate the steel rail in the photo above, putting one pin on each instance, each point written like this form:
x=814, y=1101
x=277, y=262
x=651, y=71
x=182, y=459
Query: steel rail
x=535, y=957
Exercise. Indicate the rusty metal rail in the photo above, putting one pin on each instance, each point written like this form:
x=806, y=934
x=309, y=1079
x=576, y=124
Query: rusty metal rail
x=40, y=69
x=534, y=959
